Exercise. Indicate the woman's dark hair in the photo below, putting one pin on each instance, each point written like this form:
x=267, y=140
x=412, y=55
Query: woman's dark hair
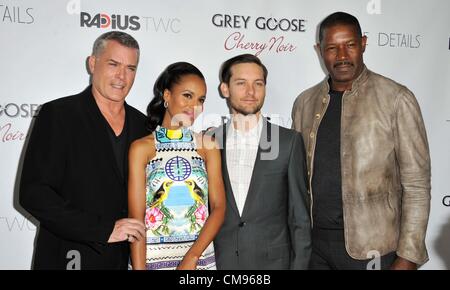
x=166, y=80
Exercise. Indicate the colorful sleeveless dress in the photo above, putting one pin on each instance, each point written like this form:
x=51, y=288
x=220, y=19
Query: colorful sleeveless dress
x=176, y=200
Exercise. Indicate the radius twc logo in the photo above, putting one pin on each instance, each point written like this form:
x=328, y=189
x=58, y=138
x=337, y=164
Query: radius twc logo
x=130, y=22
x=120, y=21
x=113, y=21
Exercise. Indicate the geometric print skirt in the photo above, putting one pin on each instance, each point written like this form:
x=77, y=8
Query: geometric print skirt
x=167, y=256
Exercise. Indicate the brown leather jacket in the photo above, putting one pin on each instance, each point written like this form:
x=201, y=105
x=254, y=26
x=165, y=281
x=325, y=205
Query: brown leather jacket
x=385, y=164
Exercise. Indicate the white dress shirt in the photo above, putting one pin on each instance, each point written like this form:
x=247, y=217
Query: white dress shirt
x=241, y=150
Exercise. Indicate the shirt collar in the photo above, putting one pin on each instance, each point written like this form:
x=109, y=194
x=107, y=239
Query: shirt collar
x=251, y=136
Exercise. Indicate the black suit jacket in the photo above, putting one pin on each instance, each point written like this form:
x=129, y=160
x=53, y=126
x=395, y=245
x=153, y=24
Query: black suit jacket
x=274, y=229
x=72, y=185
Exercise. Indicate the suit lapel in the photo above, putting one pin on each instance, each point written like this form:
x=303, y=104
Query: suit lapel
x=133, y=133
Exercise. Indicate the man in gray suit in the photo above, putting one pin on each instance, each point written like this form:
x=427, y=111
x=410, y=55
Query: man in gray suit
x=267, y=224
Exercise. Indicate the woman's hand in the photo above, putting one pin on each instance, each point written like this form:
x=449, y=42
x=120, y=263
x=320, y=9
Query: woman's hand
x=189, y=262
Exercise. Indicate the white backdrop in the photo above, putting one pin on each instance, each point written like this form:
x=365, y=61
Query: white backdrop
x=44, y=46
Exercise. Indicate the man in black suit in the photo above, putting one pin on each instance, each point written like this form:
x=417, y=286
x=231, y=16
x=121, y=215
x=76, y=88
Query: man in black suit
x=267, y=223
x=74, y=178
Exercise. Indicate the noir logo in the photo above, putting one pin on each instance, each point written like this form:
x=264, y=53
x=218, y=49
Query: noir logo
x=114, y=21
x=446, y=200
x=9, y=134
x=276, y=44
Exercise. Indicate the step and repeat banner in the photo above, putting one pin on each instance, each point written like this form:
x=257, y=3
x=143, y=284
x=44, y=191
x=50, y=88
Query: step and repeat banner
x=45, y=45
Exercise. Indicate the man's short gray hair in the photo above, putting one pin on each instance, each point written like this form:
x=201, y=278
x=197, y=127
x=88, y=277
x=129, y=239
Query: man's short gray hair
x=121, y=37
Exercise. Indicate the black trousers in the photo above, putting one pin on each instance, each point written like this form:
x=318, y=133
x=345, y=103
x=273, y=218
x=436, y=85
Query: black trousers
x=329, y=253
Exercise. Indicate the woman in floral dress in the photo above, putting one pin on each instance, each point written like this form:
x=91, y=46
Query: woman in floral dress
x=175, y=178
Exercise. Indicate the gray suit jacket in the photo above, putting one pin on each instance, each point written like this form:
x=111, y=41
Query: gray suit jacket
x=274, y=229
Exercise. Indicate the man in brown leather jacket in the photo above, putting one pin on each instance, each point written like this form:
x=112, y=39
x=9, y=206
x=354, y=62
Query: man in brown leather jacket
x=368, y=160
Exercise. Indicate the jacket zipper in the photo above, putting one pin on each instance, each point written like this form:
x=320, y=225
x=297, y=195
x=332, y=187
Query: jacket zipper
x=312, y=159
